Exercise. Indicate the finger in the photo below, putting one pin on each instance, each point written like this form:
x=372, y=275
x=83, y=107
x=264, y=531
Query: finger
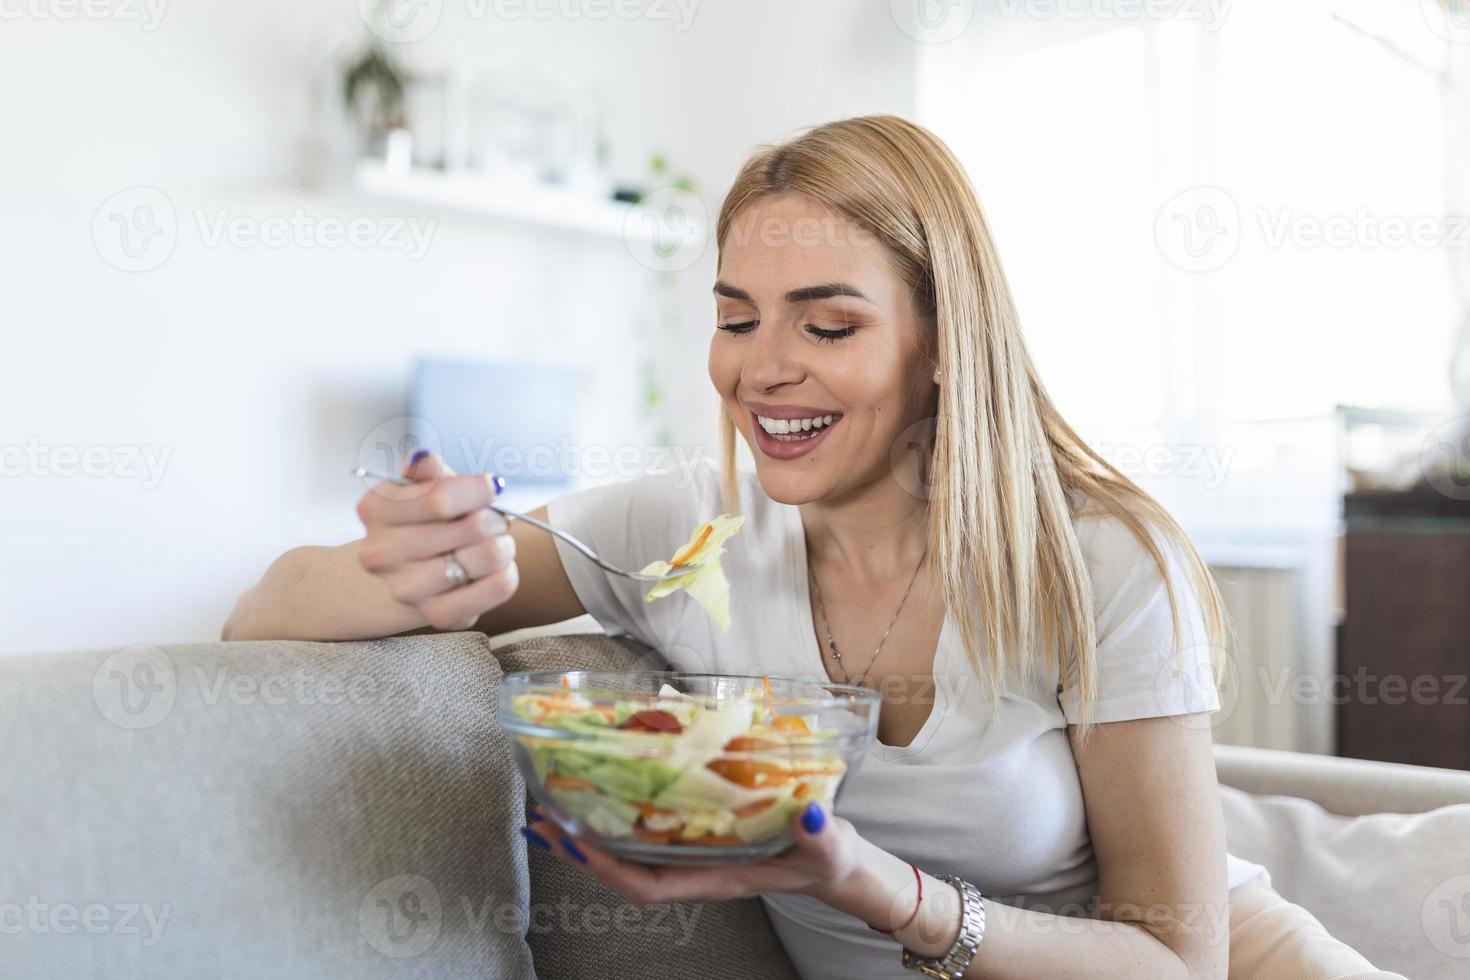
x=461, y=608
x=424, y=466
x=645, y=884
x=413, y=582
x=395, y=545
x=441, y=499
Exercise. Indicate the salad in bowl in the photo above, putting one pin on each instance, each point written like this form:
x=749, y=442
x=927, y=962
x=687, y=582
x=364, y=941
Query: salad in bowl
x=667, y=767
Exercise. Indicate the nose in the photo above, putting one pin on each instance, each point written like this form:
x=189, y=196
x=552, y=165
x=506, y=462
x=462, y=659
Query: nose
x=772, y=360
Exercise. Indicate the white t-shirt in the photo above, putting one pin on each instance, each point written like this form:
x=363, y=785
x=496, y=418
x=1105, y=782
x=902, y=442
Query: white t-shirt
x=992, y=797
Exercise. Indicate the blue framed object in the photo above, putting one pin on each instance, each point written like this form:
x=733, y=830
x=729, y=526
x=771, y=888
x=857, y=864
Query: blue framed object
x=517, y=420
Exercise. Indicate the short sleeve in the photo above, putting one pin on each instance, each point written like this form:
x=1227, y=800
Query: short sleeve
x=1143, y=671
x=631, y=524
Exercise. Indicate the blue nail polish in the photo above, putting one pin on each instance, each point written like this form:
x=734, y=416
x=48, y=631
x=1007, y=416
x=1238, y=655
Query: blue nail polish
x=535, y=838
x=417, y=456
x=813, y=819
x=498, y=482
x=573, y=850
x=536, y=816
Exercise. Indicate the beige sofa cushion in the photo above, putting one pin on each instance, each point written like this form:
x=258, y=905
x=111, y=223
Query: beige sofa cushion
x=260, y=809
x=1394, y=886
x=580, y=928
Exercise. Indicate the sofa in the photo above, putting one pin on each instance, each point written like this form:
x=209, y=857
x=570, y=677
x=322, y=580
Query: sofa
x=295, y=809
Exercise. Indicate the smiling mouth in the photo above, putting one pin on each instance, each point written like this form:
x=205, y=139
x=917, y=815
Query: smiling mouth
x=796, y=430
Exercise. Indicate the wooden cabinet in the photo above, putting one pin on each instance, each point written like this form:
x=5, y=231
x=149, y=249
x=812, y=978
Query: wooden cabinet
x=1404, y=644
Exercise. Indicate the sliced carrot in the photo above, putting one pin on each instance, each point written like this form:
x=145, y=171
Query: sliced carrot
x=653, y=836
x=801, y=790
x=687, y=552
x=566, y=682
x=568, y=782
x=766, y=683
x=649, y=810
x=751, y=809
x=790, y=723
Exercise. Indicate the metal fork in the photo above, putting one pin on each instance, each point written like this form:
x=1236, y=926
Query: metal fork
x=363, y=472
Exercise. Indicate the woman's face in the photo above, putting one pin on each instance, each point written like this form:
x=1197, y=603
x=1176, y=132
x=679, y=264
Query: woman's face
x=820, y=357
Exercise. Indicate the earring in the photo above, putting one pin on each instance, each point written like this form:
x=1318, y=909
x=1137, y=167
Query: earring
x=936, y=376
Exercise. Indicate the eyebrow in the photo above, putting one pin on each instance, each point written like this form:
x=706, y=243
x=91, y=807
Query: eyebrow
x=806, y=294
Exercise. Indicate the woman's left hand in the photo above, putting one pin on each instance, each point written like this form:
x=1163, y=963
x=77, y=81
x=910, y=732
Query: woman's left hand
x=823, y=859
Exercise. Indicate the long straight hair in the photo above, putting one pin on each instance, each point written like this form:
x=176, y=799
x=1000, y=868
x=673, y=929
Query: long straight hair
x=1008, y=474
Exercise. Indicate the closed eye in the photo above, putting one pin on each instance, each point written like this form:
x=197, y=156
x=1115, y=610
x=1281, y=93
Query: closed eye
x=737, y=328
x=826, y=336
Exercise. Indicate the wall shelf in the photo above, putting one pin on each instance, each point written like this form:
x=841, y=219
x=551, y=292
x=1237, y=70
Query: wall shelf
x=471, y=194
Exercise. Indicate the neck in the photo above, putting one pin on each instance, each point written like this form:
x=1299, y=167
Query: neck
x=877, y=532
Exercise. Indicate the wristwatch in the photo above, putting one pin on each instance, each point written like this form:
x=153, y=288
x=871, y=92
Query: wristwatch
x=953, y=964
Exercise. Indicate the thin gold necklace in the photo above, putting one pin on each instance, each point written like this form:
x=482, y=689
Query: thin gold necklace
x=827, y=623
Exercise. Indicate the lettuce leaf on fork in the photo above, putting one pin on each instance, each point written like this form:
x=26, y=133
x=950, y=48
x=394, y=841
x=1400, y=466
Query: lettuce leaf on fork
x=706, y=582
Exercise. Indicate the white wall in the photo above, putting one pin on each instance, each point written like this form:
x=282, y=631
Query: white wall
x=252, y=374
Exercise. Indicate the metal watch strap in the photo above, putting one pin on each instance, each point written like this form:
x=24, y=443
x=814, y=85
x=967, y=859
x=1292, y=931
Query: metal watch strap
x=953, y=964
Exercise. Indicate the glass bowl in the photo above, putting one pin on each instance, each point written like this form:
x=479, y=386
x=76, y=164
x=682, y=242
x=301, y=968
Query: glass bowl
x=667, y=767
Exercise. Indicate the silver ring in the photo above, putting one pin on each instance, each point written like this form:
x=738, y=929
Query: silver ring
x=454, y=571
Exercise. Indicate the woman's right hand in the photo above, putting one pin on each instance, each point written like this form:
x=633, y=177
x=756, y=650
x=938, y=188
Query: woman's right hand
x=411, y=530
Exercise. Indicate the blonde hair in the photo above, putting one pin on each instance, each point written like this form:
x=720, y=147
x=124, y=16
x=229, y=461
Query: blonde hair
x=1008, y=473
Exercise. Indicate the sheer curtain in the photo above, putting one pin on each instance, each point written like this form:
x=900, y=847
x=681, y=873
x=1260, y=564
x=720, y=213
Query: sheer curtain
x=1220, y=222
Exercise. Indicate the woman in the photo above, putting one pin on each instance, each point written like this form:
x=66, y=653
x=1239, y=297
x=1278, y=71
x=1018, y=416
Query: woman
x=920, y=520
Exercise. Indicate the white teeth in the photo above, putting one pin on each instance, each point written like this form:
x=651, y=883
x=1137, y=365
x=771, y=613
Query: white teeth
x=782, y=427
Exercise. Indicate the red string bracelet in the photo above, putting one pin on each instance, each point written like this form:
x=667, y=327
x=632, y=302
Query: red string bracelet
x=918, y=878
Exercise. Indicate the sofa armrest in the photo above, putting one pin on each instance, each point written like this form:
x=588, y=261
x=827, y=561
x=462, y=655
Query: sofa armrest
x=1348, y=787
